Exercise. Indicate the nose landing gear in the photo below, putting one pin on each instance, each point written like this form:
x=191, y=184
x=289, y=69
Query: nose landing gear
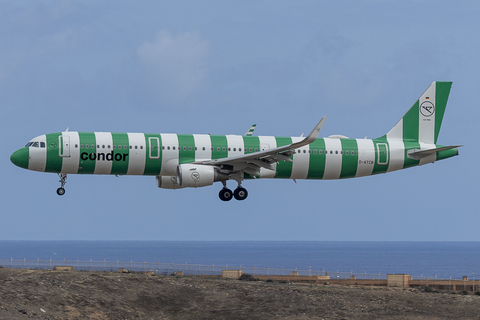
x=63, y=181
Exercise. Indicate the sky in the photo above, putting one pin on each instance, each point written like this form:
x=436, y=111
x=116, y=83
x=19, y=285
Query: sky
x=217, y=67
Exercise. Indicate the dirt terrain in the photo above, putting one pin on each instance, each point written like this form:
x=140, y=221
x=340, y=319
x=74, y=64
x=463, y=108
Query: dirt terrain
x=46, y=294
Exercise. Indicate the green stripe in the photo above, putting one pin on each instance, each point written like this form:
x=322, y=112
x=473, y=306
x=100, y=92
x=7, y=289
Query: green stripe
x=441, y=97
x=411, y=123
x=153, y=166
x=349, y=161
x=251, y=144
x=120, y=153
x=54, y=161
x=316, y=167
x=86, y=166
x=219, y=145
x=186, y=143
x=284, y=168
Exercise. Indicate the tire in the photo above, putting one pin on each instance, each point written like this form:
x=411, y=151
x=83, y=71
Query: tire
x=225, y=194
x=240, y=194
x=60, y=191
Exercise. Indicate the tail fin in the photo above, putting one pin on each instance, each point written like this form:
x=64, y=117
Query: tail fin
x=422, y=122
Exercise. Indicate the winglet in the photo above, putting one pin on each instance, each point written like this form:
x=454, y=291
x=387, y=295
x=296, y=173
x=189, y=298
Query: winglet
x=250, y=131
x=311, y=136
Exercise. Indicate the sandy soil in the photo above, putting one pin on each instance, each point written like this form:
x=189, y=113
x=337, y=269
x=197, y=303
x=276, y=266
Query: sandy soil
x=45, y=294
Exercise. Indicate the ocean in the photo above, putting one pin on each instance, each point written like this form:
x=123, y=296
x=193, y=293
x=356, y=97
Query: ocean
x=426, y=259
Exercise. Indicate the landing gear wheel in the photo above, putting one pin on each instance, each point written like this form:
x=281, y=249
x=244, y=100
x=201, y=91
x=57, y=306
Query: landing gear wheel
x=240, y=193
x=63, y=181
x=225, y=194
x=60, y=191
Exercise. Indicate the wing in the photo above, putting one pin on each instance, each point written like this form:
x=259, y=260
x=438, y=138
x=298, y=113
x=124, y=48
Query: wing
x=252, y=162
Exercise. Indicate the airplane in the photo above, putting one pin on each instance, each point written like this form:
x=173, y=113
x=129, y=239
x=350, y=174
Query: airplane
x=198, y=160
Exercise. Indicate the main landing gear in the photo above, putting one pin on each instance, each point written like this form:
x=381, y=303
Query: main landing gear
x=226, y=194
x=63, y=180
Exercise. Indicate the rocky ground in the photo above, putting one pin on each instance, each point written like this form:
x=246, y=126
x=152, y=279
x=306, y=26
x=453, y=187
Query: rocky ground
x=45, y=294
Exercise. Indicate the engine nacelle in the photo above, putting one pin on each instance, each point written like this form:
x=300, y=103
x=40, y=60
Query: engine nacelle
x=195, y=175
x=168, y=182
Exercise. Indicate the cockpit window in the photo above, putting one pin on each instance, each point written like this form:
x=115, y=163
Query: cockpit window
x=35, y=144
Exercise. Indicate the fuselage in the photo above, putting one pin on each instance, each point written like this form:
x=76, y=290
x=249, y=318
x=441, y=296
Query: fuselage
x=160, y=154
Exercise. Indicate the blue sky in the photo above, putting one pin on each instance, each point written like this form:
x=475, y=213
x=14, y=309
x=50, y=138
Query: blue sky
x=217, y=67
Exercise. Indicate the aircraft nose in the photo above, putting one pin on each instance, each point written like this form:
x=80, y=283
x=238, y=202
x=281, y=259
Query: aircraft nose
x=20, y=158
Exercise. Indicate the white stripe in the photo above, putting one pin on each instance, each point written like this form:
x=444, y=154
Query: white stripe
x=136, y=157
x=37, y=157
x=397, y=148
x=169, y=157
x=426, y=120
x=70, y=164
x=268, y=142
x=234, y=142
x=300, y=161
x=202, y=141
x=366, y=157
x=103, y=139
x=333, y=159
x=428, y=159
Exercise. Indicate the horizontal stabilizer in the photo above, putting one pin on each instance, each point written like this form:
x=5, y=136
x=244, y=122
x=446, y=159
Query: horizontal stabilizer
x=419, y=154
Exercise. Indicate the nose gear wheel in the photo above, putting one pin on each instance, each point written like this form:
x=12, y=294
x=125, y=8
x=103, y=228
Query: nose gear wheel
x=63, y=181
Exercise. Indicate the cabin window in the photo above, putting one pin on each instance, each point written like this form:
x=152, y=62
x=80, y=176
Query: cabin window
x=168, y=148
x=239, y=149
x=114, y=146
x=218, y=148
x=76, y=145
x=86, y=146
x=234, y=149
x=173, y=148
x=250, y=149
x=229, y=149
x=336, y=151
x=189, y=148
x=223, y=149
x=103, y=146
x=346, y=152
x=141, y=147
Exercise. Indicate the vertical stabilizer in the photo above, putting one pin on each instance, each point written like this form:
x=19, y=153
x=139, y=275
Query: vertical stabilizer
x=422, y=122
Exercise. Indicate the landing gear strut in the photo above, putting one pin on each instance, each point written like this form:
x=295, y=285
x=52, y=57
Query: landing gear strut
x=225, y=194
x=63, y=181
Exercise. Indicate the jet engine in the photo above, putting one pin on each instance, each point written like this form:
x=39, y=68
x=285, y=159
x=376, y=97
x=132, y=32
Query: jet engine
x=195, y=175
x=168, y=182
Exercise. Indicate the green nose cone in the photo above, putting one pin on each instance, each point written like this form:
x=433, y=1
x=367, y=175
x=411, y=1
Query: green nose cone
x=20, y=158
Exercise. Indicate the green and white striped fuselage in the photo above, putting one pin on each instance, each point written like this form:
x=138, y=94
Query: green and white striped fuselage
x=160, y=154
x=198, y=160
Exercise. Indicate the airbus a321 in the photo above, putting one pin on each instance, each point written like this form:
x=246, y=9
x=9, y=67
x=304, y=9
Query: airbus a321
x=198, y=160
